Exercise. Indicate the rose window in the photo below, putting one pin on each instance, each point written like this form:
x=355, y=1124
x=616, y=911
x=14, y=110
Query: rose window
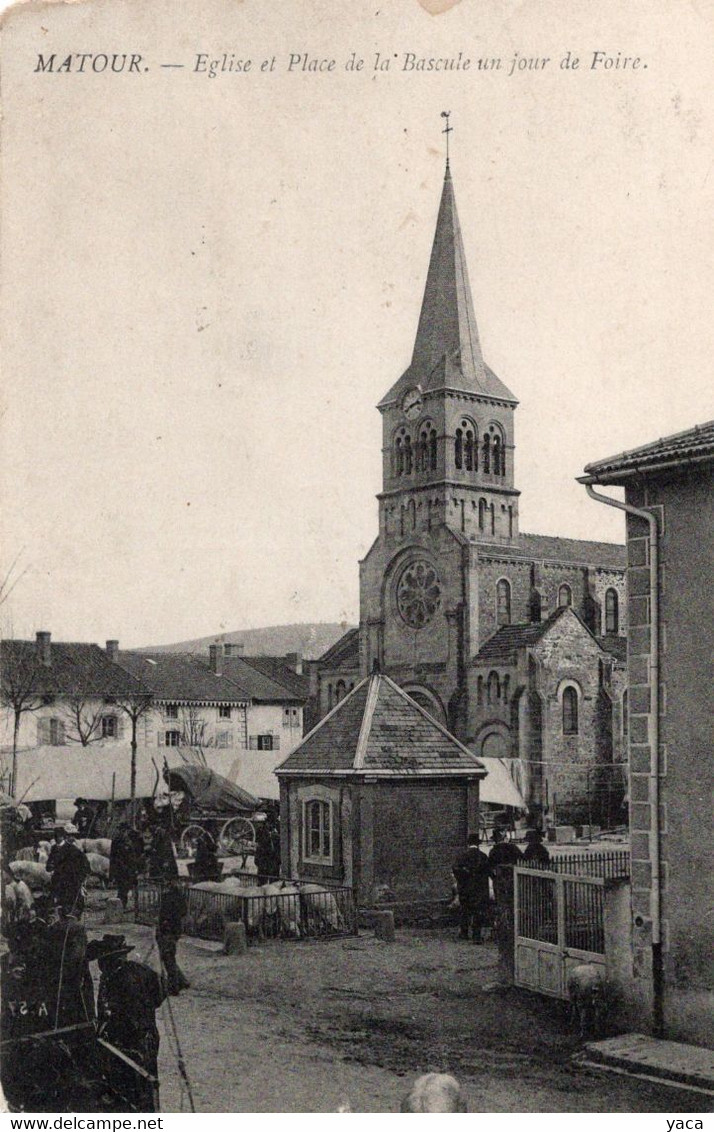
x=418, y=594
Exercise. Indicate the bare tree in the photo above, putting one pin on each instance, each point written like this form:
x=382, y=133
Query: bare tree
x=135, y=705
x=8, y=582
x=194, y=733
x=83, y=716
x=19, y=690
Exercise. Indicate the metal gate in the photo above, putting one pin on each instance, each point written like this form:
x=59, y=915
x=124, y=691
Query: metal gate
x=559, y=923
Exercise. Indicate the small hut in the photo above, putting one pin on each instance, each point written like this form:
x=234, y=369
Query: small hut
x=378, y=796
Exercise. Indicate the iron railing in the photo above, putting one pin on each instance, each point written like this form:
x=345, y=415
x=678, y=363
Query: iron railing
x=299, y=911
x=610, y=864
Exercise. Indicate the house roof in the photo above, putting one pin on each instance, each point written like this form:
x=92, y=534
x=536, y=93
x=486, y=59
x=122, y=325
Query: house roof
x=74, y=669
x=181, y=678
x=575, y=551
x=509, y=639
x=344, y=653
x=256, y=685
x=377, y=729
x=447, y=350
x=693, y=446
x=279, y=671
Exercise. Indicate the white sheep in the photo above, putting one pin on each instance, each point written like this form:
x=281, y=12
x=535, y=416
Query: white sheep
x=434, y=1092
x=586, y=991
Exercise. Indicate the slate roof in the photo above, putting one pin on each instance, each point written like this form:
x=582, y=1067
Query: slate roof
x=615, y=645
x=575, y=551
x=256, y=685
x=74, y=669
x=177, y=677
x=379, y=730
x=694, y=445
x=276, y=668
x=507, y=640
x=344, y=653
x=447, y=351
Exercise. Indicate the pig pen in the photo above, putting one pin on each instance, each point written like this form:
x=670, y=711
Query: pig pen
x=279, y=910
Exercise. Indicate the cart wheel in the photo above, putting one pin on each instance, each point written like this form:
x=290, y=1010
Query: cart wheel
x=190, y=836
x=237, y=837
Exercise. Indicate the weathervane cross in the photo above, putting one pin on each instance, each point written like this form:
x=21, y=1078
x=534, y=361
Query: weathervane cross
x=447, y=130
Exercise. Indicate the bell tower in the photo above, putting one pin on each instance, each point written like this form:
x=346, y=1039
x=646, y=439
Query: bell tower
x=448, y=440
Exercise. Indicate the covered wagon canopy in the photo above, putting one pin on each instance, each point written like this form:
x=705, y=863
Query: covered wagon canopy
x=211, y=791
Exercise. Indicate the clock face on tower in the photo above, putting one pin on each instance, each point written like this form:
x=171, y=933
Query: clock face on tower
x=412, y=403
x=418, y=594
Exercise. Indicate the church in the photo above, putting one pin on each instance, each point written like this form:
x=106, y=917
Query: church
x=515, y=642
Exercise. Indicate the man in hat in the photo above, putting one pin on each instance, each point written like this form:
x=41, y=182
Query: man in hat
x=125, y=860
x=471, y=873
x=83, y=817
x=173, y=906
x=535, y=850
x=129, y=995
x=69, y=869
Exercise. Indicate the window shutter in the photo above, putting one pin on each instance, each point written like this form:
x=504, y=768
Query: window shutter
x=276, y=742
x=60, y=733
x=43, y=732
x=159, y=742
x=253, y=743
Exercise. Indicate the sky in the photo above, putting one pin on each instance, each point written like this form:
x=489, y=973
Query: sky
x=209, y=283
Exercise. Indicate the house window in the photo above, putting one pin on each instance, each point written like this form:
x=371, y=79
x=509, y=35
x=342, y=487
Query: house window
x=317, y=831
x=264, y=742
x=565, y=596
x=171, y=711
x=493, y=688
x=50, y=732
x=503, y=602
x=224, y=738
x=110, y=728
x=291, y=717
x=570, y=711
x=224, y=712
x=172, y=739
x=612, y=619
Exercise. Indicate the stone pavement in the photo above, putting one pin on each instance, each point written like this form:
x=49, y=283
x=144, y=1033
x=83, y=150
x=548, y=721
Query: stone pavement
x=655, y=1059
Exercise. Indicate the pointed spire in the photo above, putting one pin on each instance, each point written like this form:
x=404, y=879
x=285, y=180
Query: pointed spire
x=447, y=324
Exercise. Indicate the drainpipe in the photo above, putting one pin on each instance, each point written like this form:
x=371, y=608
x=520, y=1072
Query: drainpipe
x=655, y=905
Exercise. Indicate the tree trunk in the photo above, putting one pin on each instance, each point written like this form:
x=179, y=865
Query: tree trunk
x=132, y=780
x=13, y=773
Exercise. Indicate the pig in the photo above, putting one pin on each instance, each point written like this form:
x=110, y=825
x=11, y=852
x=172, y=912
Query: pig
x=282, y=901
x=586, y=991
x=320, y=909
x=434, y=1092
x=101, y=845
x=99, y=865
x=34, y=874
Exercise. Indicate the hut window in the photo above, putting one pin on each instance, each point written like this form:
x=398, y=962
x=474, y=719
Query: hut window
x=110, y=730
x=172, y=739
x=224, y=711
x=317, y=831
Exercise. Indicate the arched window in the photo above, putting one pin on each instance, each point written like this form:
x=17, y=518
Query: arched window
x=496, y=455
x=492, y=509
x=565, y=596
x=479, y=691
x=469, y=450
x=536, y=606
x=625, y=716
x=503, y=602
x=432, y=450
x=459, y=449
x=317, y=831
x=570, y=711
x=408, y=455
x=612, y=618
x=493, y=688
x=423, y=450
x=398, y=457
x=330, y=698
x=340, y=690
x=411, y=511
x=482, y=514
x=486, y=453
x=504, y=689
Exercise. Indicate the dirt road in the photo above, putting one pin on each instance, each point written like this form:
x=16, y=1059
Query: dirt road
x=295, y=1027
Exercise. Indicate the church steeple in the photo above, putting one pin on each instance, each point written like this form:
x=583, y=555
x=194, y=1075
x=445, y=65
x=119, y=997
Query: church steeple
x=447, y=350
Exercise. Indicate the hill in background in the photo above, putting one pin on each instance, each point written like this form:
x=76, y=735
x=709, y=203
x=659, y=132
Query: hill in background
x=312, y=640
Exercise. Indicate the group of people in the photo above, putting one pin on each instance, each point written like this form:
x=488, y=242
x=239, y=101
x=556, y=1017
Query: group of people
x=474, y=869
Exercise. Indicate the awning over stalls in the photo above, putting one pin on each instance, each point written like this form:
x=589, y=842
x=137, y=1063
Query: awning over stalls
x=498, y=787
x=211, y=791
